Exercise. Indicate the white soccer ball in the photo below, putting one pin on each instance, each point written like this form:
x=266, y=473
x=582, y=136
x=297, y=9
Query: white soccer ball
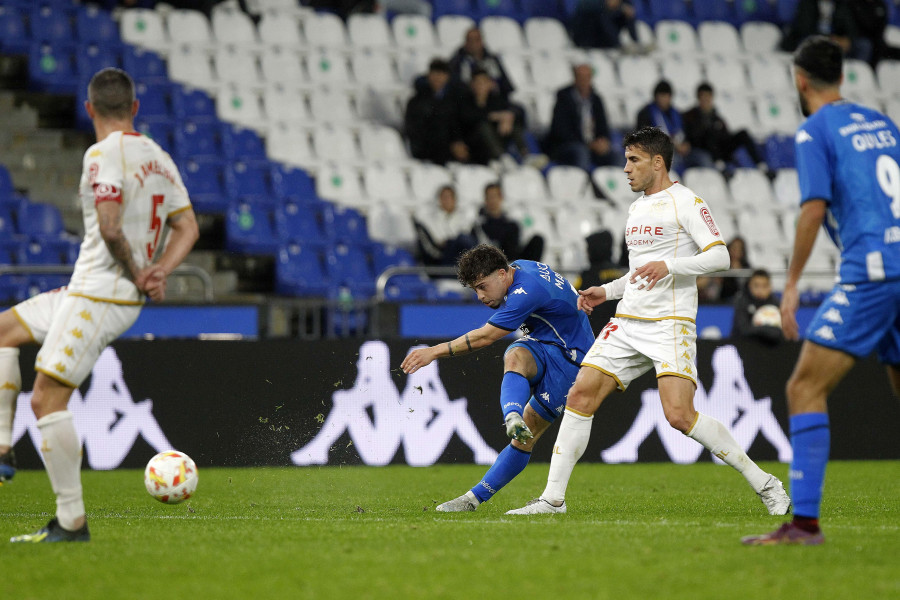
x=171, y=477
x=767, y=315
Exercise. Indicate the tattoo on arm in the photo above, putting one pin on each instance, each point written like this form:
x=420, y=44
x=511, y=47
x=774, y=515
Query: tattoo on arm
x=118, y=244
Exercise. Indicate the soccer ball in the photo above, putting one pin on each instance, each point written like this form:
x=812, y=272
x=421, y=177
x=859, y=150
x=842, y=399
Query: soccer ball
x=767, y=315
x=171, y=477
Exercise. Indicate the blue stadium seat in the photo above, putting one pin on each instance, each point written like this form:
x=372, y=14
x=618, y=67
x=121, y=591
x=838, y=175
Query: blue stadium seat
x=13, y=289
x=37, y=284
x=195, y=140
x=249, y=229
x=96, y=26
x=39, y=220
x=299, y=270
x=671, y=9
x=299, y=221
x=292, y=182
x=758, y=10
x=407, y=287
x=454, y=7
x=7, y=222
x=499, y=8
x=51, y=23
x=249, y=180
x=91, y=57
x=555, y=9
x=205, y=185
x=51, y=67
x=154, y=99
x=780, y=152
x=7, y=190
x=346, y=314
x=786, y=10
x=188, y=103
x=351, y=266
x=159, y=129
x=242, y=144
x=8, y=251
x=384, y=257
x=144, y=65
x=38, y=251
x=716, y=10
x=14, y=35
x=348, y=225
x=69, y=249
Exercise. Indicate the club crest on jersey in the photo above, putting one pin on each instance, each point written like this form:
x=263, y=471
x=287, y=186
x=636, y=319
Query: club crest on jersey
x=704, y=212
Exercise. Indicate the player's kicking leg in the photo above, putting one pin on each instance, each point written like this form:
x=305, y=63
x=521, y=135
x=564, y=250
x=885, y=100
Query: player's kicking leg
x=511, y=461
x=12, y=335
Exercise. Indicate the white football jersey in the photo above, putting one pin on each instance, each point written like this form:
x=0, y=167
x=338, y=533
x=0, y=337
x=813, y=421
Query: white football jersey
x=673, y=223
x=133, y=170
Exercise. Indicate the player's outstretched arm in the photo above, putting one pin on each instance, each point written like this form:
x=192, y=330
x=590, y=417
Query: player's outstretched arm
x=474, y=340
x=590, y=298
x=812, y=215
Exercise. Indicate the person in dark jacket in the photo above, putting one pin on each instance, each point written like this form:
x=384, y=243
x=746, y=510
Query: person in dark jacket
x=495, y=228
x=579, y=131
x=473, y=56
x=432, y=117
x=602, y=269
x=489, y=125
x=756, y=312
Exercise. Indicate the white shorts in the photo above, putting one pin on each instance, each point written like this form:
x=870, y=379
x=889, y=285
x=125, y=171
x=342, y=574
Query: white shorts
x=72, y=331
x=628, y=348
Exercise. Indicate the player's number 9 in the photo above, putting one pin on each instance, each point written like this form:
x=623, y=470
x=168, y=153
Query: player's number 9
x=888, y=173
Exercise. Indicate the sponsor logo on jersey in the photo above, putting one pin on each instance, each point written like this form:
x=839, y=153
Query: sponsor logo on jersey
x=892, y=235
x=802, y=136
x=520, y=291
x=95, y=153
x=857, y=117
x=833, y=315
x=824, y=332
x=704, y=212
x=840, y=297
x=104, y=192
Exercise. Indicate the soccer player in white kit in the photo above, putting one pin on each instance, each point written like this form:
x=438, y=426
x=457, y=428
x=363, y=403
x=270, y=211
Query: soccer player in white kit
x=130, y=190
x=672, y=238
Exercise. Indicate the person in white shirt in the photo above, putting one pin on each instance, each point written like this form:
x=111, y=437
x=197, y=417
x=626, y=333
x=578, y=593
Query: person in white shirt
x=130, y=191
x=445, y=233
x=672, y=238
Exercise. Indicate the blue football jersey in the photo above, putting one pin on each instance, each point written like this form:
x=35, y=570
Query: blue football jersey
x=544, y=305
x=848, y=155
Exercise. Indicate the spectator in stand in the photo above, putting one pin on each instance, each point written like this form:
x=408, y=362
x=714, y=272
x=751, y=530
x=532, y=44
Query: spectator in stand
x=756, y=311
x=473, y=56
x=663, y=114
x=579, y=132
x=443, y=234
x=493, y=227
x=836, y=19
x=598, y=23
x=708, y=135
x=432, y=117
x=737, y=251
x=490, y=126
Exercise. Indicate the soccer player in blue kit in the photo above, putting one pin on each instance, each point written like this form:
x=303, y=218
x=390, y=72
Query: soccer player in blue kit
x=848, y=162
x=539, y=368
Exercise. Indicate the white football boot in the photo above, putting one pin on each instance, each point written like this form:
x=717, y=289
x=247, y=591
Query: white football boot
x=465, y=503
x=538, y=506
x=517, y=429
x=774, y=497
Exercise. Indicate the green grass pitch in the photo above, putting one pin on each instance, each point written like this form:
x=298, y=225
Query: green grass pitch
x=632, y=531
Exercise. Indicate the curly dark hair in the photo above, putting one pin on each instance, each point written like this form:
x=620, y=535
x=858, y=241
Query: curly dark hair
x=479, y=262
x=653, y=141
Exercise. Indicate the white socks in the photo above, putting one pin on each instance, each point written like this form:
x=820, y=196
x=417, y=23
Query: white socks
x=571, y=441
x=10, y=384
x=61, y=450
x=716, y=438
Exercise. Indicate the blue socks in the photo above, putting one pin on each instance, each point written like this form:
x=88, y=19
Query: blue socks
x=811, y=441
x=515, y=392
x=509, y=463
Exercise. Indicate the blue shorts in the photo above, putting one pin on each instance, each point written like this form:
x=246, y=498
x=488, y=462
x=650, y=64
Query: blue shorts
x=555, y=375
x=860, y=318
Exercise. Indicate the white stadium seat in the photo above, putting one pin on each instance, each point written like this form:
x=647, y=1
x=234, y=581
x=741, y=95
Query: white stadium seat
x=390, y=224
x=387, y=183
x=374, y=69
x=685, y=74
x=519, y=71
x=192, y=66
x=750, y=188
x=426, y=179
x=413, y=31
x=233, y=26
x=524, y=185
x=551, y=71
x=336, y=145
x=726, y=74
x=285, y=104
x=332, y=106
x=888, y=72
x=241, y=105
x=737, y=112
x=646, y=37
x=145, y=28
x=543, y=33
x=470, y=182
x=614, y=185
x=567, y=184
x=283, y=65
x=768, y=74
x=189, y=27
x=778, y=114
x=719, y=38
x=859, y=81
x=382, y=145
x=369, y=31
x=451, y=30
x=638, y=74
x=290, y=145
x=325, y=30
x=760, y=37
x=710, y=185
x=787, y=188
x=341, y=184
x=501, y=34
x=327, y=66
x=236, y=65
x=676, y=37
x=276, y=29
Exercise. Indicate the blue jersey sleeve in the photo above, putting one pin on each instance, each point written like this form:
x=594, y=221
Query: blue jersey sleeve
x=520, y=303
x=814, y=162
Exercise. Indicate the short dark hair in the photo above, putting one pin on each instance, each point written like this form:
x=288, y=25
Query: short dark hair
x=111, y=93
x=760, y=273
x=663, y=87
x=478, y=71
x=821, y=58
x=479, y=262
x=653, y=141
x=704, y=87
x=444, y=188
x=439, y=64
x=493, y=184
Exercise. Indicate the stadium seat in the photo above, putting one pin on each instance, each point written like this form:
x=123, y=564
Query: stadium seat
x=299, y=270
x=144, y=27
x=90, y=58
x=282, y=66
x=859, y=81
x=279, y=29
x=750, y=188
x=39, y=220
x=292, y=183
x=325, y=30
x=737, y=112
x=769, y=75
x=375, y=69
x=387, y=183
x=204, y=182
x=341, y=185
x=545, y=34
x=710, y=185
x=543, y=8
x=414, y=31
x=567, y=184
x=759, y=37
x=706, y=11
x=144, y=65
x=382, y=145
x=778, y=114
x=41, y=251
x=518, y=70
x=426, y=179
x=51, y=23
x=14, y=35
x=786, y=186
x=892, y=109
x=290, y=144
x=726, y=74
x=524, y=185
x=189, y=27
x=369, y=31
x=638, y=74
x=96, y=26
x=470, y=181
x=552, y=71
x=759, y=11
x=154, y=99
x=249, y=229
x=351, y=266
x=52, y=68
x=195, y=139
x=787, y=10
x=451, y=29
x=7, y=223
x=336, y=107
x=498, y=8
x=242, y=106
x=605, y=76
x=192, y=66
x=888, y=72
x=684, y=75
x=719, y=38
x=249, y=182
x=442, y=8
x=299, y=221
x=158, y=129
x=188, y=103
x=391, y=224
x=676, y=37
x=347, y=225
x=233, y=26
x=241, y=144
x=670, y=10
x=385, y=256
x=501, y=34
x=336, y=145
x=235, y=65
x=612, y=182
x=285, y=105
x=328, y=67
x=780, y=152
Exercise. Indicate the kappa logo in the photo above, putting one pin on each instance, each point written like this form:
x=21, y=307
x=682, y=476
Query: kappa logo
x=802, y=136
x=840, y=297
x=423, y=419
x=825, y=333
x=546, y=396
x=697, y=200
x=520, y=291
x=833, y=315
x=107, y=418
x=729, y=400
